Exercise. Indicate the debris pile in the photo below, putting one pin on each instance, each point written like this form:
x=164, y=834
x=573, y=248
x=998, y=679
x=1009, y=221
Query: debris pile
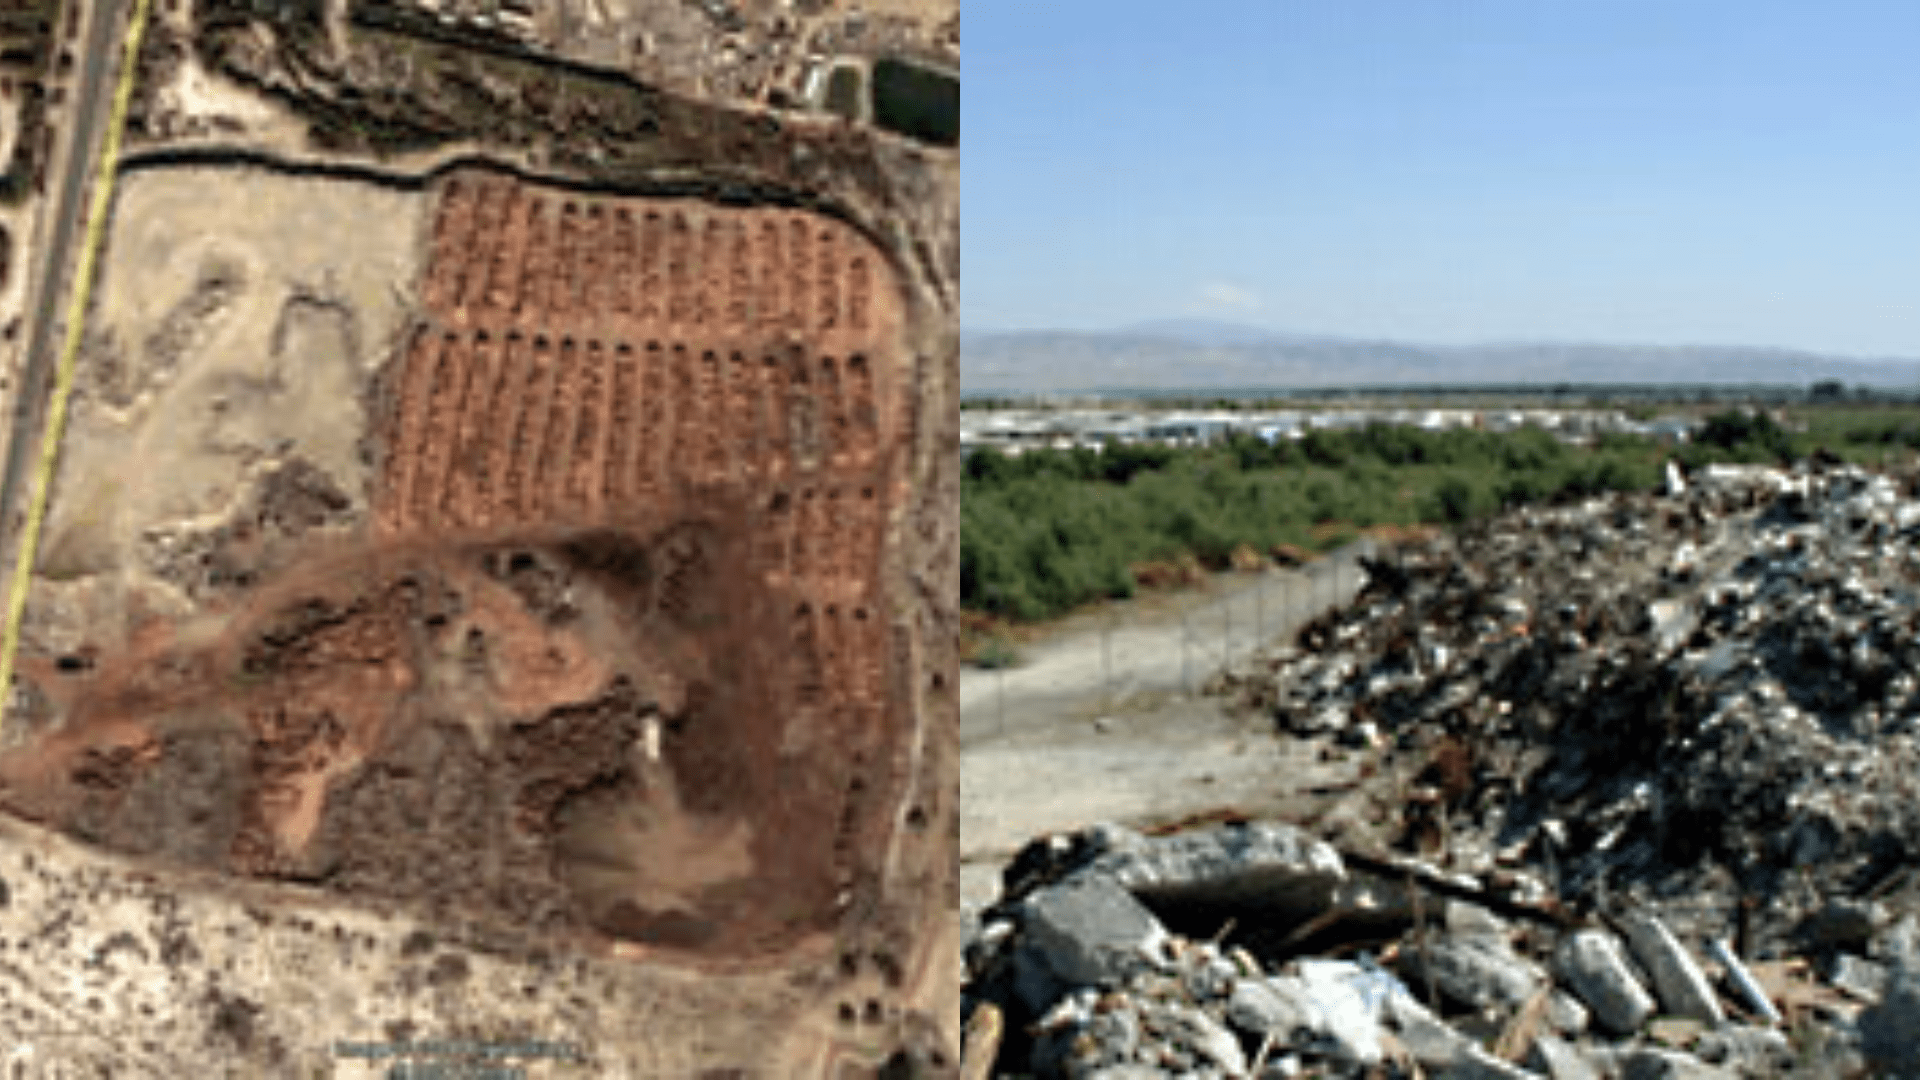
x=1641, y=796
x=1711, y=694
x=1093, y=964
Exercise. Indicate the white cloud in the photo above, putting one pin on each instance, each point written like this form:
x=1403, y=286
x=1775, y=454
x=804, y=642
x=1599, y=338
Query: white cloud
x=1226, y=298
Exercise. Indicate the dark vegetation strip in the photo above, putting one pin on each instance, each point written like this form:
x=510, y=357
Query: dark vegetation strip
x=1051, y=530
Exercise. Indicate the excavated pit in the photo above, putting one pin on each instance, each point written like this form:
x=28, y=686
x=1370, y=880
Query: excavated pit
x=611, y=657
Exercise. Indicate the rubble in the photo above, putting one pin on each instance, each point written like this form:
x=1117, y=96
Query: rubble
x=1648, y=773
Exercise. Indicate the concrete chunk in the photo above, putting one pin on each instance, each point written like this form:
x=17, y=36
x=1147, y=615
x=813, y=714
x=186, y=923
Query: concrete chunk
x=1755, y=1050
x=1258, y=1008
x=1430, y=1040
x=1679, y=983
x=1887, y=1029
x=1477, y=1064
x=1562, y=1061
x=1594, y=967
x=1863, y=979
x=1565, y=1014
x=1088, y=931
x=1264, y=865
x=1324, y=1009
x=1478, y=971
x=1648, y=1063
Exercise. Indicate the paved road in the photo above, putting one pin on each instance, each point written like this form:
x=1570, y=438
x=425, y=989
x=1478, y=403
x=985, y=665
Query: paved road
x=90, y=105
x=1095, y=664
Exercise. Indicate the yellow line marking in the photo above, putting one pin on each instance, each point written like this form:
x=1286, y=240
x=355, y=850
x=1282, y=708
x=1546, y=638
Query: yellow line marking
x=69, y=356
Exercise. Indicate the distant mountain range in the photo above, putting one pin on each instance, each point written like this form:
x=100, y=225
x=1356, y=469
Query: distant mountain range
x=1203, y=355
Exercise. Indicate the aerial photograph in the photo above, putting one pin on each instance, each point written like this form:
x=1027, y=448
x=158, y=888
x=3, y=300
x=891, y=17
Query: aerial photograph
x=479, y=525
x=1439, y=498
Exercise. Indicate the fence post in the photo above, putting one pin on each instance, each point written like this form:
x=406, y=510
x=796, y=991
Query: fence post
x=1226, y=651
x=1186, y=654
x=1260, y=610
x=1106, y=663
x=1002, y=671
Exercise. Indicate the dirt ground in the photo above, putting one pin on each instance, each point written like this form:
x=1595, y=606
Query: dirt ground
x=614, y=534
x=524, y=569
x=234, y=330
x=502, y=571
x=1057, y=750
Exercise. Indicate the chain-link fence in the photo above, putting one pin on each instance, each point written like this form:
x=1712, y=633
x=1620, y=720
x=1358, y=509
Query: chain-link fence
x=1144, y=652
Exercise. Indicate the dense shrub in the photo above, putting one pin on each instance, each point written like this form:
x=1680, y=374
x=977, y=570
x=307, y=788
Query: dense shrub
x=1049, y=530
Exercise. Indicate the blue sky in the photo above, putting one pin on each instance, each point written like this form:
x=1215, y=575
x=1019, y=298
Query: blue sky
x=1631, y=171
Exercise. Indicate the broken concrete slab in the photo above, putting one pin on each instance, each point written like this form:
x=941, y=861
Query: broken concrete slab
x=1265, y=866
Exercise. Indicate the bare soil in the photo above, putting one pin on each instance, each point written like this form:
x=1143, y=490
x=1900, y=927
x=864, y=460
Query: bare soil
x=610, y=659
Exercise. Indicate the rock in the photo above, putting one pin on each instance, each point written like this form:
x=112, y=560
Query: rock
x=1900, y=945
x=1678, y=982
x=1107, y=1040
x=1593, y=966
x=1464, y=920
x=1087, y=931
x=1479, y=972
x=1331, y=1007
x=1561, y=1061
x=1431, y=1042
x=1126, y=1072
x=1649, y=1063
x=1477, y=1064
x=1887, y=1030
x=1276, y=869
x=1843, y=924
x=1258, y=1008
x=1565, y=1014
x=1349, y=1000
x=1215, y=1042
x=982, y=947
x=1670, y=622
x=1861, y=978
x=1752, y=1050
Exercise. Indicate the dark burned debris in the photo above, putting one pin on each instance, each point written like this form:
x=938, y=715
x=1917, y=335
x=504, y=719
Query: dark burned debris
x=1646, y=773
